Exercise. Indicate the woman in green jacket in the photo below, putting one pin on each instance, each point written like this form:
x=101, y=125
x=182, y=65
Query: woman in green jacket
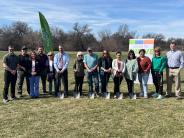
x=158, y=65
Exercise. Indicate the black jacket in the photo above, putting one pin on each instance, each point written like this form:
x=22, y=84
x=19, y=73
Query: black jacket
x=37, y=67
x=48, y=68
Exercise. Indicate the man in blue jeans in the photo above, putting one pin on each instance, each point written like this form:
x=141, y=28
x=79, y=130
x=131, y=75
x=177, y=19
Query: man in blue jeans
x=91, y=64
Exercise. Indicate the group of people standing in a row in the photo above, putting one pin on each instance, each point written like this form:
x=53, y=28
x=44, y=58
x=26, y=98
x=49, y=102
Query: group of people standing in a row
x=53, y=68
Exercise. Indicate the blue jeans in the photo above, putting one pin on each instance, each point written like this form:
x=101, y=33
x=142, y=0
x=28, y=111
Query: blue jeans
x=34, y=86
x=143, y=79
x=93, y=78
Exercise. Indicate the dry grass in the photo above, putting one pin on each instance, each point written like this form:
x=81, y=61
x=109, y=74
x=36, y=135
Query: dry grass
x=51, y=117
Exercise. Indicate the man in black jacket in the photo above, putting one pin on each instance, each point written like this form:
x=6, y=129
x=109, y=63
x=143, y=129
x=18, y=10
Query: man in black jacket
x=43, y=60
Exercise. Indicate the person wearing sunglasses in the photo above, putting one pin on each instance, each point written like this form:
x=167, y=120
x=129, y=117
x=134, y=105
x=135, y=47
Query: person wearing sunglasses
x=51, y=72
x=105, y=66
x=158, y=64
x=78, y=69
x=22, y=71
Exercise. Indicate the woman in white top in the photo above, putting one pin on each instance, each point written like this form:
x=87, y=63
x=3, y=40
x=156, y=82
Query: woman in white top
x=118, y=68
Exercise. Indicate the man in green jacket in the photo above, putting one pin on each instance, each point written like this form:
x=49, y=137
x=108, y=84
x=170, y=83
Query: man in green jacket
x=158, y=65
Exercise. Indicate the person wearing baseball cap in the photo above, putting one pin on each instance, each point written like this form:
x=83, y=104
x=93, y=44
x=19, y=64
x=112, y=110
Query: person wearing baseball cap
x=91, y=64
x=22, y=71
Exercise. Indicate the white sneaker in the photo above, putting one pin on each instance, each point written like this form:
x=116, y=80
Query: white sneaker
x=134, y=97
x=78, y=96
x=5, y=100
x=108, y=95
x=120, y=96
x=92, y=96
x=159, y=97
x=61, y=96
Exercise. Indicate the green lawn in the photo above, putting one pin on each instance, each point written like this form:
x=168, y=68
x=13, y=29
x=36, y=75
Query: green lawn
x=51, y=117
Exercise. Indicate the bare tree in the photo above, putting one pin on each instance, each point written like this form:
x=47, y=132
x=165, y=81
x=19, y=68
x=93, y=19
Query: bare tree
x=159, y=39
x=59, y=36
x=81, y=36
x=15, y=34
x=123, y=35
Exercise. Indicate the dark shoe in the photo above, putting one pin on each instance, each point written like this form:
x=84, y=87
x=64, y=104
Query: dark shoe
x=141, y=94
x=13, y=98
x=44, y=92
x=65, y=95
x=179, y=98
x=167, y=96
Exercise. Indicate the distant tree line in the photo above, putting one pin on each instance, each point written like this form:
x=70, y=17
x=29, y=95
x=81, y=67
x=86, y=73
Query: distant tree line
x=79, y=38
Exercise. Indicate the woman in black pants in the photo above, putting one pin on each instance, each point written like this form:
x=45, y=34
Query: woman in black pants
x=118, y=69
x=51, y=72
x=78, y=69
x=131, y=69
x=105, y=66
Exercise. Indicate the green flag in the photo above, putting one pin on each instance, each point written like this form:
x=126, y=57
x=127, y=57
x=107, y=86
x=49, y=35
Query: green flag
x=46, y=34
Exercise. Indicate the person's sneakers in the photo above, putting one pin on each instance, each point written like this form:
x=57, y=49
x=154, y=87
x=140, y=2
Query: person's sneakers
x=13, y=98
x=179, y=98
x=5, y=100
x=159, y=97
x=77, y=95
x=107, y=95
x=155, y=95
x=97, y=95
x=61, y=96
x=167, y=96
x=141, y=94
x=92, y=96
x=120, y=95
x=19, y=95
x=134, y=97
x=45, y=92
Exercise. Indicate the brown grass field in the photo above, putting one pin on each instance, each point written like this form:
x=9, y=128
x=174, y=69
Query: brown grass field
x=51, y=117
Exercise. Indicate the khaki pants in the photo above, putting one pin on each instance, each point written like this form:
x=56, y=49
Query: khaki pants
x=173, y=74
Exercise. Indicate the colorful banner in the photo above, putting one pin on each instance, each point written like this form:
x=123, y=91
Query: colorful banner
x=148, y=45
x=46, y=34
